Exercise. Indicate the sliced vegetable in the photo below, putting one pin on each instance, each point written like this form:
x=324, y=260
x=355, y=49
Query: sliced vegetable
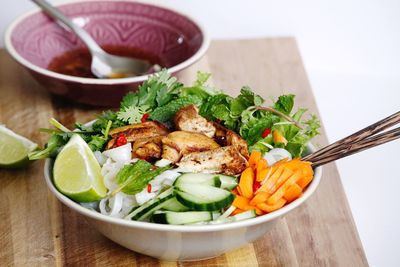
x=203, y=197
x=246, y=182
x=238, y=217
x=293, y=192
x=275, y=197
x=255, y=157
x=270, y=208
x=178, y=218
x=198, y=178
x=304, y=181
x=145, y=210
x=174, y=205
x=242, y=203
x=259, y=198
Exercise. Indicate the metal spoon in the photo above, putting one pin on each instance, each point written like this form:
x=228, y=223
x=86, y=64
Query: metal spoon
x=103, y=64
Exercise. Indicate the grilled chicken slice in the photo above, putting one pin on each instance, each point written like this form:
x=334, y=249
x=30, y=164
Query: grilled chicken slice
x=148, y=148
x=179, y=143
x=226, y=137
x=188, y=119
x=227, y=160
x=137, y=131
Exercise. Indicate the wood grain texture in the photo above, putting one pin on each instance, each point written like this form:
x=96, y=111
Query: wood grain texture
x=36, y=230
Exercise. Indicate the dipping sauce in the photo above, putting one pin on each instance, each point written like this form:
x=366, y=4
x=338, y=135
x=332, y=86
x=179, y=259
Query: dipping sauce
x=77, y=62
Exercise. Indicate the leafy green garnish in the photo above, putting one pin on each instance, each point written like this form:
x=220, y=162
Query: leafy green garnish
x=132, y=114
x=161, y=96
x=167, y=112
x=54, y=145
x=133, y=178
x=284, y=104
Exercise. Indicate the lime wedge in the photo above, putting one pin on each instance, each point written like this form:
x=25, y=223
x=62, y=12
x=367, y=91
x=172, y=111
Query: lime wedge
x=76, y=172
x=14, y=149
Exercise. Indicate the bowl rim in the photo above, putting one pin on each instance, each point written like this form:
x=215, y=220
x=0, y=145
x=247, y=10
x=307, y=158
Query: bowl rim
x=194, y=58
x=182, y=228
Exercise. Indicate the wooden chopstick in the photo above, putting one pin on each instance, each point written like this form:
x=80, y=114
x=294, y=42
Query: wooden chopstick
x=356, y=137
x=356, y=147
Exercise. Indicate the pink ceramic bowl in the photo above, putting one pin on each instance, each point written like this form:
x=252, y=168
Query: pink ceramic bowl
x=34, y=40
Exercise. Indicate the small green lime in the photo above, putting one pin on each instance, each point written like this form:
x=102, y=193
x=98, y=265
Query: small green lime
x=14, y=149
x=77, y=174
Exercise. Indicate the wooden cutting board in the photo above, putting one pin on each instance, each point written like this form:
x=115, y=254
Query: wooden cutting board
x=37, y=230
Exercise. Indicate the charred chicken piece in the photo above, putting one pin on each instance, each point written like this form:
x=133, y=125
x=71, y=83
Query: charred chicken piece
x=188, y=119
x=179, y=143
x=137, y=131
x=226, y=137
x=227, y=160
x=148, y=148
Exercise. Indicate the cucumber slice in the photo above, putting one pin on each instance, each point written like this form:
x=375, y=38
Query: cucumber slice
x=187, y=217
x=145, y=210
x=203, y=197
x=228, y=182
x=238, y=217
x=198, y=178
x=174, y=205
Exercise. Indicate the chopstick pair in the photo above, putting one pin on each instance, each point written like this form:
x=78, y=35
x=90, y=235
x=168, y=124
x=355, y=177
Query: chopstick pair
x=358, y=141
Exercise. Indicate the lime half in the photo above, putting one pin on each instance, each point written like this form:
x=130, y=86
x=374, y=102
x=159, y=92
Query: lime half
x=14, y=149
x=76, y=172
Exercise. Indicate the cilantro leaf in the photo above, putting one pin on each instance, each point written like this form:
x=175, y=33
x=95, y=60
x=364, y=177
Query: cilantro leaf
x=132, y=114
x=202, y=78
x=130, y=99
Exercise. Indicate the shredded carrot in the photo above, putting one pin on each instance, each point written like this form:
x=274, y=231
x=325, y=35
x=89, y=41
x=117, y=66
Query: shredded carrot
x=255, y=157
x=261, y=165
x=272, y=180
x=304, y=181
x=262, y=174
x=269, y=208
x=281, y=183
x=286, y=173
x=259, y=211
x=260, y=197
x=246, y=183
x=241, y=202
x=293, y=192
x=274, y=198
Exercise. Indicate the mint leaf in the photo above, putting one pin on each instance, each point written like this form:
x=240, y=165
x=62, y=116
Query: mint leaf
x=167, y=112
x=134, y=177
x=221, y=112
x=207, y=106
x=255, y=132
x=285, y=104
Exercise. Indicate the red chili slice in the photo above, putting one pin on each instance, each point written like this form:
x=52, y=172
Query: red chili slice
x=121, y=140
x=256, y=186
x=266, y=132
x=149, y=188
x=144, y=117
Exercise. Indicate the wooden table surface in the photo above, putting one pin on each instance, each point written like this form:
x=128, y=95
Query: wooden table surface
x=37, y=230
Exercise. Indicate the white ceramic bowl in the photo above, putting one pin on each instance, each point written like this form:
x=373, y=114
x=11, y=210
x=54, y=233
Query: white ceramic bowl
x=176, y=242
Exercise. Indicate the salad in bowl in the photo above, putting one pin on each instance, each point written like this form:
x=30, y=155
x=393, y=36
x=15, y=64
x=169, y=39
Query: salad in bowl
x=184, y=172
x=184, y=155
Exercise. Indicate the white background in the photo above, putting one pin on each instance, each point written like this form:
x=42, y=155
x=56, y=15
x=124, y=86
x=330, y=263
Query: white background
x=351, y=54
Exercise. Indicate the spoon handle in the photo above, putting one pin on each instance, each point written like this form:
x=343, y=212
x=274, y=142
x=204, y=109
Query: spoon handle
x=60, y=17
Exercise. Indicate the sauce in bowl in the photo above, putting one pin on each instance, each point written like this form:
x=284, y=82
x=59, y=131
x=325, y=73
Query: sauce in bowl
x=77, y=62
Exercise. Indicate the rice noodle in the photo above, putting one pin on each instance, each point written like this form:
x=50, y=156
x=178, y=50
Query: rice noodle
x=111, y=206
